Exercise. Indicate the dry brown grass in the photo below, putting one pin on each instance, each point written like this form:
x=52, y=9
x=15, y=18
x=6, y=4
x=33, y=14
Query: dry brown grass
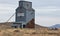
x=38, y=31
x=29, y=32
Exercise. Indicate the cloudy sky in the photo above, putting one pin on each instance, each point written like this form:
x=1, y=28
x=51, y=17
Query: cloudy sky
x=47, y=12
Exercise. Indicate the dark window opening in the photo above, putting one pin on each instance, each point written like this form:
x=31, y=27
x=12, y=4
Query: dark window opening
x=23, y=26
x=15, y=26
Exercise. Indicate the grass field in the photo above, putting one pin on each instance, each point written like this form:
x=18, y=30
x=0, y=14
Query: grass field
x=37, y=31
x=29, y=32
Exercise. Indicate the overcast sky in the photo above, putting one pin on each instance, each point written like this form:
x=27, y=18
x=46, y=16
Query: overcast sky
x=47, y=12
